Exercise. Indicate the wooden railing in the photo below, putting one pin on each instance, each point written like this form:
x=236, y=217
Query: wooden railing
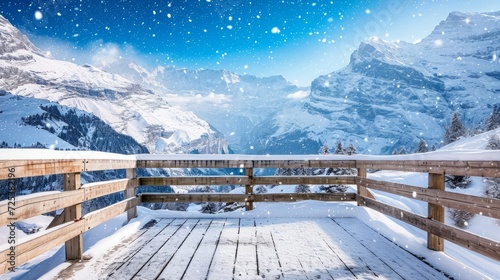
x=72, y=224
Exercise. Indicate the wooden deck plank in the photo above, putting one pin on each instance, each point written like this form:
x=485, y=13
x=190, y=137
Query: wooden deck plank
x=372, y=240
x=300, y=229
x=288, y=249
x=156, y=263
x=267, y=256
x=222, y=266
x=323, y=256
x=245, y=265
x=200, y=263
x=129, y=247
x=177, y=265
x=277, y=248
x=142, y=258
x=361, y=262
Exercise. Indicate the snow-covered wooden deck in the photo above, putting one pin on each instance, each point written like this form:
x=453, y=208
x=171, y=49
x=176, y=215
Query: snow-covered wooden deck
x=289, y=248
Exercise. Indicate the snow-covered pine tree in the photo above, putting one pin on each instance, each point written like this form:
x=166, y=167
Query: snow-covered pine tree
x=302, y=189
x=260, y=189
x=340, y=149
x=350, y=150
x=395, y=152
x=210, y=208
x=453, y=181
x=324, y=150
x=493, y=142
x=403, y=151
x=433, y=148
x=493, y=121
x=455, y=130
x=492, y=187
x=493, y=184
x=422, y=147
x=452, y=134
x=333, y=188
x=461, y=218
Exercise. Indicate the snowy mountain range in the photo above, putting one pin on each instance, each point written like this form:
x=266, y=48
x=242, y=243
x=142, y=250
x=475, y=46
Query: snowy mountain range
x=389, y=96
x=394, y=94
x=232, y=103
x=127, y=107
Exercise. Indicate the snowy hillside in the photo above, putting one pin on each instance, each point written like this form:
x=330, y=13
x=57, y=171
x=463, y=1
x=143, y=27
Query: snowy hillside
x=126, y=106
x=394, y=94
x=232, y=103
x=30, y=122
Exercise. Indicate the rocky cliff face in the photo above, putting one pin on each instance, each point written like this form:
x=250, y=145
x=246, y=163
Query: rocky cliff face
x=394, y=94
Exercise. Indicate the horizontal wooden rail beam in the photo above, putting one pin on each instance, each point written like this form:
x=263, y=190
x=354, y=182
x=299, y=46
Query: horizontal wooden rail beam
x=30, y=168
x=307, y=180
x=463, y=168
x=44, y=241
x=100, y=216
x=244, y=180
x=486, y=206
x=107, y=164
x=478, y=244
x=30, y=206
x=193, y=181
x=41, y=243
x=216, y=197
x=98, y=189
x=245, y=163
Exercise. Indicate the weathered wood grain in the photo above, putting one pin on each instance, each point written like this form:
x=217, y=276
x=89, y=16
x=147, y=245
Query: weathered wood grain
x=245, y=180
x=98, y=189
x=217, y=197
x=30, y=168
x=41, y=243
x=73, y=246
x=100, y=216
x=34, y=206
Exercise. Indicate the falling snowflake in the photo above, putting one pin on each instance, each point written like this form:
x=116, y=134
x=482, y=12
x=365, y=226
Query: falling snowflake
x=38, y=15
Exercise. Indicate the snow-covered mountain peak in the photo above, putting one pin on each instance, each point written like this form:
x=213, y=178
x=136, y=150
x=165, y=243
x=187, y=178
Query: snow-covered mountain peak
x=12, y=41
x=465, y=27
x=376, y=49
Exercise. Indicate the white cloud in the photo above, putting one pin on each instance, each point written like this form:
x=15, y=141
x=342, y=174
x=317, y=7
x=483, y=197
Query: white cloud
x=299, y=95
x=105, y=55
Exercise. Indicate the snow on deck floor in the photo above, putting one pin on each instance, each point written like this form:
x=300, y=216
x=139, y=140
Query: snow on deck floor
x=255, y=248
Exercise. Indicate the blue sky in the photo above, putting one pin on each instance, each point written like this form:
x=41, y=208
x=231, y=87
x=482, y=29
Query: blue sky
x=297, y=39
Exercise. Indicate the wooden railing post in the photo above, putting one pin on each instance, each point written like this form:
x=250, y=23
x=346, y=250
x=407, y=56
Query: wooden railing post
x=249, y=189
x=74, y=246
x=435, y=212
x=362, y=191
x=131, y=192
